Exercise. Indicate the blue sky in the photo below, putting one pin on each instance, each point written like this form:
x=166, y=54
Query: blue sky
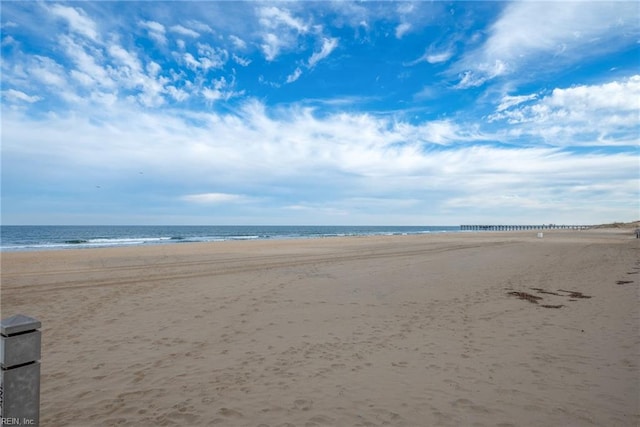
x=377, y=113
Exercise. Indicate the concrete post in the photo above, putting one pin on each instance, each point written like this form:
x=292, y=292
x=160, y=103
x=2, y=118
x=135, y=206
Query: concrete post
x=20, y=371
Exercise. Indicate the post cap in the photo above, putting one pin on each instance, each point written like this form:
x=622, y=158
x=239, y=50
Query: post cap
x=18, y=323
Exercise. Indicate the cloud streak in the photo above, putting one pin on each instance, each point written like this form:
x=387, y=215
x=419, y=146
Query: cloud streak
x=77, y=20
x=338, y=158
x=328, y=46
x=213, y=198
x=537, y=34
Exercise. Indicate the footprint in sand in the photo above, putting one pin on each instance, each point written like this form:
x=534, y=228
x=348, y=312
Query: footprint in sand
x=226, y=412
x=461, y=402
x=320, y=420
x=303, y=404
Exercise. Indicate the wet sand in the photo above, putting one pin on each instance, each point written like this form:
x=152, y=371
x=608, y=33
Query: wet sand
x=452, y=329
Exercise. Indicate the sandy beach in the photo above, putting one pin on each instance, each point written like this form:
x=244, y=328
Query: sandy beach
x=461, y=329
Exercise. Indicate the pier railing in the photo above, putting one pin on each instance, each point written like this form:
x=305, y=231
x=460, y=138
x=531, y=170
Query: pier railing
x=522, y=227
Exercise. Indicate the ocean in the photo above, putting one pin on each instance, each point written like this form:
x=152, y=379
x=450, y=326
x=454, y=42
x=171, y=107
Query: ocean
x=41, y=237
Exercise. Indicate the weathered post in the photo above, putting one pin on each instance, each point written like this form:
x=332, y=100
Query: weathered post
x=20, y=371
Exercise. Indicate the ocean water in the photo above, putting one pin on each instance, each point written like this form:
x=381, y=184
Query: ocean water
x=30, y=238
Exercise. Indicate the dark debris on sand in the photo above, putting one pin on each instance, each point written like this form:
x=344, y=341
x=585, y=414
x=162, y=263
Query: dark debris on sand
x=542, y=291
x=523, y=295
x=573, y=295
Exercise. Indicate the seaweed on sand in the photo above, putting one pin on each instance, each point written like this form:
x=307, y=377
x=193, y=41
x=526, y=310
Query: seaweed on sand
x=542, y=291
x=523, y=295
x=574, y=294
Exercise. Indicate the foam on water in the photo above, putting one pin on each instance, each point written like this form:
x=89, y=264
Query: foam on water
x=24, y=238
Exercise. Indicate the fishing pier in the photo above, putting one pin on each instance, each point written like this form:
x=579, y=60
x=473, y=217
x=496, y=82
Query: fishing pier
x=522, y=227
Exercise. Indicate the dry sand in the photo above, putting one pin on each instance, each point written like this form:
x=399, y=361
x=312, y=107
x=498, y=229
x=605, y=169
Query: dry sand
x=398, y=330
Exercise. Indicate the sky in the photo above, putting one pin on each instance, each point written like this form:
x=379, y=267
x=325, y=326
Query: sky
x=320, y=113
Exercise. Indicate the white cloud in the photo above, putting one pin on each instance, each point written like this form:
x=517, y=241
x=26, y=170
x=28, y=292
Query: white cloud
x=86, y=63
x=177, y=94
x=78, y=21
x=47, y=71
x=535, y=34
x=318, y=209
x=617, y=95
x=212, y=57
x=433, y=58
x=510, y=101
x=241, y=61
x=208, y=58
x=323, y=161
x=412, y=16
x=213, y=198
x=426, y=92
x=198, y=26
x=328, y=46
x=153, y=68
x=294, y=76
x=441, y=132
x=238, y=42
x=273, y=17
x=179, y=29
x=8, y=41
x=212, y=94
x=153, y=26
x=155, y=30
x=16, y=95
x=542, y=26
x=402, y=29
x=190, y=61
x=271, y=46
x=8, y=24
x=125, y=58
x=483, y=72
x=605, y=114
x=99, y=72
x=220, y=89
x=436, y=58
x=280, y=30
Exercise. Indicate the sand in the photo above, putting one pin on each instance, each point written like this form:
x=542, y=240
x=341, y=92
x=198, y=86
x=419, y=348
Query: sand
x=358, y=331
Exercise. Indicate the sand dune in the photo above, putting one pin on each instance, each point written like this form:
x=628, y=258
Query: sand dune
x=360, y=331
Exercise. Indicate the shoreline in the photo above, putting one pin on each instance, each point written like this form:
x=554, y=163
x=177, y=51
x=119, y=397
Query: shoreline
x=624, y=230
x=30, y=238
x=374, y=330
